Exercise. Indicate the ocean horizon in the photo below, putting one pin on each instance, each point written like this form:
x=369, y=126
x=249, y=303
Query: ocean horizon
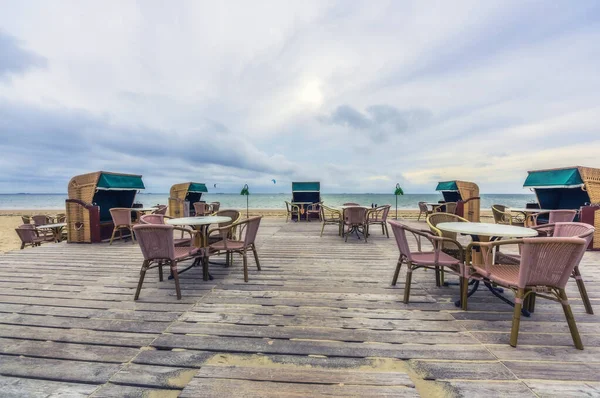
x=267, y=201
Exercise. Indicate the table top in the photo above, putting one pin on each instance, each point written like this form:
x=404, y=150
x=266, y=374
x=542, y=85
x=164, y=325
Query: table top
x=484, y=229
x=144, y=208
x=57, y=225
x=524, y=210
x=301, y=203
x=433, y=204
x=206, y=220
x=346, y=207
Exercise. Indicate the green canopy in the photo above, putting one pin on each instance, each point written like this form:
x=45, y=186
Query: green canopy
x=197, y=187
x=447, y=186
x=553, y=179
x=306, y=186
x=109, y=181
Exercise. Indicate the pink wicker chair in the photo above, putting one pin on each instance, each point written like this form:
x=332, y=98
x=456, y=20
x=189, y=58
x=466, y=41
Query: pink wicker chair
x=378, y=216
x=554, y=216
x=215, y=206
x=435, y=259
x=40, y=220
x=423, y=209
x=161, y=209
x=159, y=219
x=121, y=217
x=158, y=248
x=249, y=229
x=29, y=236
x=545, y=266
x=201, y=209
x=355, y=218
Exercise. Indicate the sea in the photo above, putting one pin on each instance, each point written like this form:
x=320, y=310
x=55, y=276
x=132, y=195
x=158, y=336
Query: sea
x=267, y=201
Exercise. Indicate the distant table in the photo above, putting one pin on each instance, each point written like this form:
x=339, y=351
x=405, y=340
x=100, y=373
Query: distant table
x=301, y=207
x=483, y=232
x=144, y=209
x=527, y=213
x=55, y=228
x=345, y=207
x=200, y=224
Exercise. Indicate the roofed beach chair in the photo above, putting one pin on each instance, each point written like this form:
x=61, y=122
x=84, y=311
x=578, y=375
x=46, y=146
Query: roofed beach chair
x=158, y=247
x=331, y=216
x=378, y=216
x=544, y=269
x=434, y=259
x=121, y=219
x=182, y=198
x=248, y=229
x=465, y=198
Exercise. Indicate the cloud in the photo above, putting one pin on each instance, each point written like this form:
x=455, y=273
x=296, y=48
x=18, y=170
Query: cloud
x=14, y=59
x=379, y=121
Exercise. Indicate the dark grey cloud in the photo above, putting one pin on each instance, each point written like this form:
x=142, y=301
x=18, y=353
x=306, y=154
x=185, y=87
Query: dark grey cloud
x=14, y=58
x=378, y=121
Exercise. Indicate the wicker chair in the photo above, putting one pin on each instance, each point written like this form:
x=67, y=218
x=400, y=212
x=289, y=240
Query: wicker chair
x=158, y=248
x=159, y=219
x=355, y=218
x=378, y=216
x=121, y=219
x=554, y=216
x=314, y=209
x=331, y=216
x=29, y=236
x=447, y=207
x=447, y=247
x=249, y=229
x=201, y=209
x=545, y=266
x=291, y=210
x=216, y=234
x=424, y=209
x=501, y=216
x=434, y=260
x=26, y=219
x=215, y=206
x=161, y=209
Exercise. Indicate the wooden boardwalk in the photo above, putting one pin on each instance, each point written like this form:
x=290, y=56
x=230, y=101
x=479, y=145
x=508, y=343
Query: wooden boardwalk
x=320, y=319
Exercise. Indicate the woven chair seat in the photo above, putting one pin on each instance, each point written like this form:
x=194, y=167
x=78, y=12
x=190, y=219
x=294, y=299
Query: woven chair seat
x=504, y=274
x=231, y=245
x=184, y=252
x=428, y=258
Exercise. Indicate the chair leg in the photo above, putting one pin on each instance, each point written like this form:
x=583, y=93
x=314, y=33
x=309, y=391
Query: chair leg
x=442, y=276
x=160, y=271
x=322, y=228
x=397, y=272
x=22, y=246
x=570, y=319
x=176, y=279
x=245, y=267
x=132, y=235
x=582, y=291
x=141, y=281
x=112, y=236
x=387, y=233
x=407, y=285
x=514, y=332
x=464, y=292
x=419, y=218
x=437, y=276
x=256, y=257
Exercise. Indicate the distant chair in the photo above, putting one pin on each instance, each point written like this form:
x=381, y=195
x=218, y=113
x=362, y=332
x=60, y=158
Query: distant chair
x=434, y=260
x=355, y=218
x=29, y=236
x=378, y=216
x=215, y=206
x=201, y=209
x=158, y=248
x=61, y=217
x=503, y=216
x=220, y=232
x=331, y=216
x=121, y=217
x=448, y=207
x=40, y=219
x=424, y=209
x=545, y=266
x=313, y=209
x=248, y=229
x=291, y=211
x=449, y=246
x=350, y=204
x=26, y=219
x=554, y=216
x=161, y=209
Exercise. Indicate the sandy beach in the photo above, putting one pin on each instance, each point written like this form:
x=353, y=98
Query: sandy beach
x=11, y=219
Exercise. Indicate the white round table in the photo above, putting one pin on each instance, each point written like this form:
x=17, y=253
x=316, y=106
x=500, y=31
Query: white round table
x=525, y=210
x=55, y=228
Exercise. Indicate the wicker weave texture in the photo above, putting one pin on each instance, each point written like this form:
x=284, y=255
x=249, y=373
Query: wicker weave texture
x=467, y=191
x=591, y=179
x=176, y=198
x=596, y=240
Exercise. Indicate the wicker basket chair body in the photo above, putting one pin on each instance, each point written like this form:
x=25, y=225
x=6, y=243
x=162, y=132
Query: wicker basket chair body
x=308, y=193
x=91, y=196
x=466, y=196
x=569, y=188
x=190, y=192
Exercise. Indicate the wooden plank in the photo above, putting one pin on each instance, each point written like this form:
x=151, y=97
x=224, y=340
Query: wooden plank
x=163, y=377
x=180, y=358
x=118, y=391
x=472, y=370
x=549, y=389
x=548, y=370
x=488, y=389
x=13, y=387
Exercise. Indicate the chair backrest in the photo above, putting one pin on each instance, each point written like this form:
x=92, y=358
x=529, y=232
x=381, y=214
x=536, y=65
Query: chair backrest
x=423, y=207
x=26, y=219
x=328, y=212
x=571, y=230
x=162, y=209
x=450, y=207
x=201, y=209
x=561, y=216
x=498, y=212
x=121, y=215
x=350, y=204
x=156, y=241
x=233, y=214
x=251, y=229
x=26, y=233
x=215, y=206
x=61, y=218
x=436, y=218
x=400, y=233
x=40, y=219
x=152, y=219
x=288, y=206
x=355, y=215
x=381, y=213
x=549, y=261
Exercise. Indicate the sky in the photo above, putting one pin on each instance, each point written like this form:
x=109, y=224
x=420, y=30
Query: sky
x=360, y=95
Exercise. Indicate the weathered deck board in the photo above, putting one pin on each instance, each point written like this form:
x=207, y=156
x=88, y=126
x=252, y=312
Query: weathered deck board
x=320, y=319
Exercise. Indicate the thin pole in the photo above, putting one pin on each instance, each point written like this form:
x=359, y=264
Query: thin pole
x=396, y=207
